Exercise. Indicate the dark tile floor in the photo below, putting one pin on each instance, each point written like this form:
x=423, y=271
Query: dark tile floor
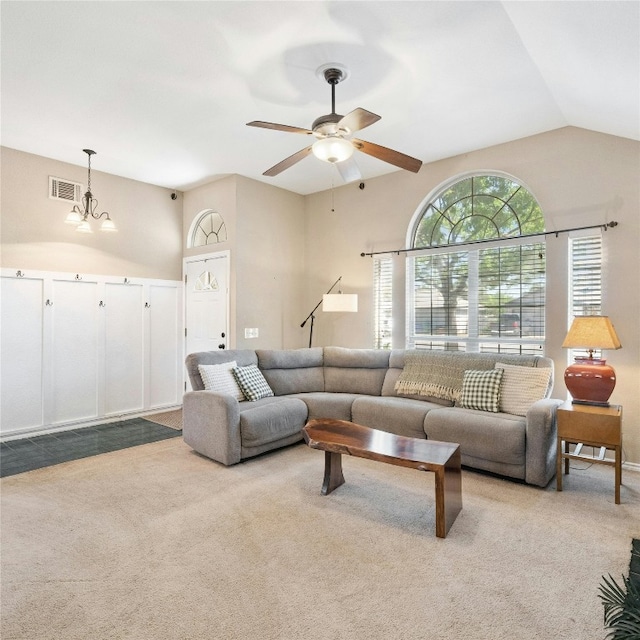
x=26, y=454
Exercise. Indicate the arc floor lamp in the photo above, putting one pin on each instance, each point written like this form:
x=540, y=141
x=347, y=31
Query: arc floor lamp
x=333, y=302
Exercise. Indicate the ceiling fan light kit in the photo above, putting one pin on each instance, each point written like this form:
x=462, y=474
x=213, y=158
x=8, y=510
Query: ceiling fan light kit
x=333, y=131
x=332, y=149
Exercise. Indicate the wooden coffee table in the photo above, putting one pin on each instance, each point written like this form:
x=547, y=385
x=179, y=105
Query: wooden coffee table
x=336, y=437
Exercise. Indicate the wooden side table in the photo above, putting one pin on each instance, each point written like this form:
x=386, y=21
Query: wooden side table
x=593, y=426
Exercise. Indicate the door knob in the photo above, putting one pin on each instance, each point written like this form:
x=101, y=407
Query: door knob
x=221, y=346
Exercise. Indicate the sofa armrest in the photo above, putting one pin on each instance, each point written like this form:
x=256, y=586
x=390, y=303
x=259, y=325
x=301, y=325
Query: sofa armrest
x=541, y=442
x=211, y=425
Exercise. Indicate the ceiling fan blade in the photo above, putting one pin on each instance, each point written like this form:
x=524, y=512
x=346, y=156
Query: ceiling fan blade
x=358, y=119
x=288, y=162
x=349, y=170
x=278, y=127
x=388, y=155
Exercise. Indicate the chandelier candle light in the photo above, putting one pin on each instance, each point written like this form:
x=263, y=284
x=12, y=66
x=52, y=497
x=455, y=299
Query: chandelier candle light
x=79, y=217
x=591, y=380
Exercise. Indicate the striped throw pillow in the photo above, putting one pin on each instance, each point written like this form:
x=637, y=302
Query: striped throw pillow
x=521, y=387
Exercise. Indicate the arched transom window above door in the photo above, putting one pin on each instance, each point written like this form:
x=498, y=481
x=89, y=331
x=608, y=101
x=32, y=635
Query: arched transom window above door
x=208, y=228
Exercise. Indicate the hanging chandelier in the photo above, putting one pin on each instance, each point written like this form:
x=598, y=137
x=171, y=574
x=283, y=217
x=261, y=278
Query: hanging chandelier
x=80, y=217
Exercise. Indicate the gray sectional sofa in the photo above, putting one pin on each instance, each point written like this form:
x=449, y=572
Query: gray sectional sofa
x=359, y=385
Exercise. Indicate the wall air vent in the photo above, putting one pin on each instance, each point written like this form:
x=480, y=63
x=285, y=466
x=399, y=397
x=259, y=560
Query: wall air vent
x=60, y=189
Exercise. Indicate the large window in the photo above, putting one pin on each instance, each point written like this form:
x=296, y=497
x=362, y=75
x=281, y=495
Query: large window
x=474, y=282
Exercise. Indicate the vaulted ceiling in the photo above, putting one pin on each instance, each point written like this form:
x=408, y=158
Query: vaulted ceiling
x=163, y=90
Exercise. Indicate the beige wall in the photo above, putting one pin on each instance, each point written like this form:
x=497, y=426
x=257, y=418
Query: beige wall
x=286, y=249
x=148, y=243
x=579, y=178
x=265, y=227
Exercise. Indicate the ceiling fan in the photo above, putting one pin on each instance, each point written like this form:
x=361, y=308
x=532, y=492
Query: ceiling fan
x=335, y=143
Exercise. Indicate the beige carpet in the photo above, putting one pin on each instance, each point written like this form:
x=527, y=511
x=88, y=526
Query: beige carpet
x=171, y=419
x=156, y=542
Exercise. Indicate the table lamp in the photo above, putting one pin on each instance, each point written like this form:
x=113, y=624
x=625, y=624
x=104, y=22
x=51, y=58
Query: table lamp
x=591, y=380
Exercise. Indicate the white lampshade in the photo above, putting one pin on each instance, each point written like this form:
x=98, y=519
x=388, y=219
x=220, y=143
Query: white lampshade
x=344, y=302
x=332, y=149
x=108, y=225
x=84, y=227
x=73, y=217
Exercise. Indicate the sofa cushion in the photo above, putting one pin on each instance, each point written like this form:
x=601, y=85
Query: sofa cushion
x=521, y=387
x=359, y=371
x=356, y=358
x=292, y=370
x=252, y=382
x=336, y=406
x=481, y=390
x=401, y=416
x=497, y=437
x=271, y=419
x=361, y=381
x=220, y=378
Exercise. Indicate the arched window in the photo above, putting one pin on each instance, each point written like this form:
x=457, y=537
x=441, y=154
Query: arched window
x=474, y=282
x=207, y=228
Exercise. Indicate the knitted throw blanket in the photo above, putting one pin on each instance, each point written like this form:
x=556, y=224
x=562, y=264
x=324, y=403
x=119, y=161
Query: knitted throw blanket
x=439, y=374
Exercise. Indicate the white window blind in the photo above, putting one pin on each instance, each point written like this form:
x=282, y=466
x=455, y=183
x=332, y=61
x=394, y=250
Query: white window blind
x=382, y=301
x=487, y=300
x=511, y=294
x=440, y=294
x=585, y=281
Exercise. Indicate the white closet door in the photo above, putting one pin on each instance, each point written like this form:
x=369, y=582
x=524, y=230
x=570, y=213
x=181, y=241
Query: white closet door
x=75, y=330
x=164, y=346
x=21, y=354
x=124, y=347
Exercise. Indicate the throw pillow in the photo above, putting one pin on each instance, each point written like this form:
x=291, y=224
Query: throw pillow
x=521, y=387
x=481, y=390
x=218, y=377
x=252, y=382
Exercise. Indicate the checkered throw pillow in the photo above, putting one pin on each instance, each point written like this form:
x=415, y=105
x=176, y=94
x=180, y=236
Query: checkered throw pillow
x=481, y=390
x=252, y=382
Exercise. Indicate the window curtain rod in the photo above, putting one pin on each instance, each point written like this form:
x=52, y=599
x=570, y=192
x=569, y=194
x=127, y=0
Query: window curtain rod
x=604, y=227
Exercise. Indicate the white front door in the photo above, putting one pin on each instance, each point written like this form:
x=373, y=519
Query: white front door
x=207, y=302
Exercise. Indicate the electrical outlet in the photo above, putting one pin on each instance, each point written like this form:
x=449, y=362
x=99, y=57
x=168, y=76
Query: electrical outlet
x=251, y=333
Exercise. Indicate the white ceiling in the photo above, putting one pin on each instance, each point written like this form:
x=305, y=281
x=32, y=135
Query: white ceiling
x=163, y=90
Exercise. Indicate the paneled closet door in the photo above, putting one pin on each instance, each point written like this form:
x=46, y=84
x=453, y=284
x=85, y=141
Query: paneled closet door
x=124, y=347
x=164, y=346
x=76, y=325
x=21, y=353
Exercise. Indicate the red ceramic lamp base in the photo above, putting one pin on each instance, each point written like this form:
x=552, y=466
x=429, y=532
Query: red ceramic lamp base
x=590, y=381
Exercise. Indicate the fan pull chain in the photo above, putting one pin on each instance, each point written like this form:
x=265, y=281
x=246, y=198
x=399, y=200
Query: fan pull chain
x=333, y=210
